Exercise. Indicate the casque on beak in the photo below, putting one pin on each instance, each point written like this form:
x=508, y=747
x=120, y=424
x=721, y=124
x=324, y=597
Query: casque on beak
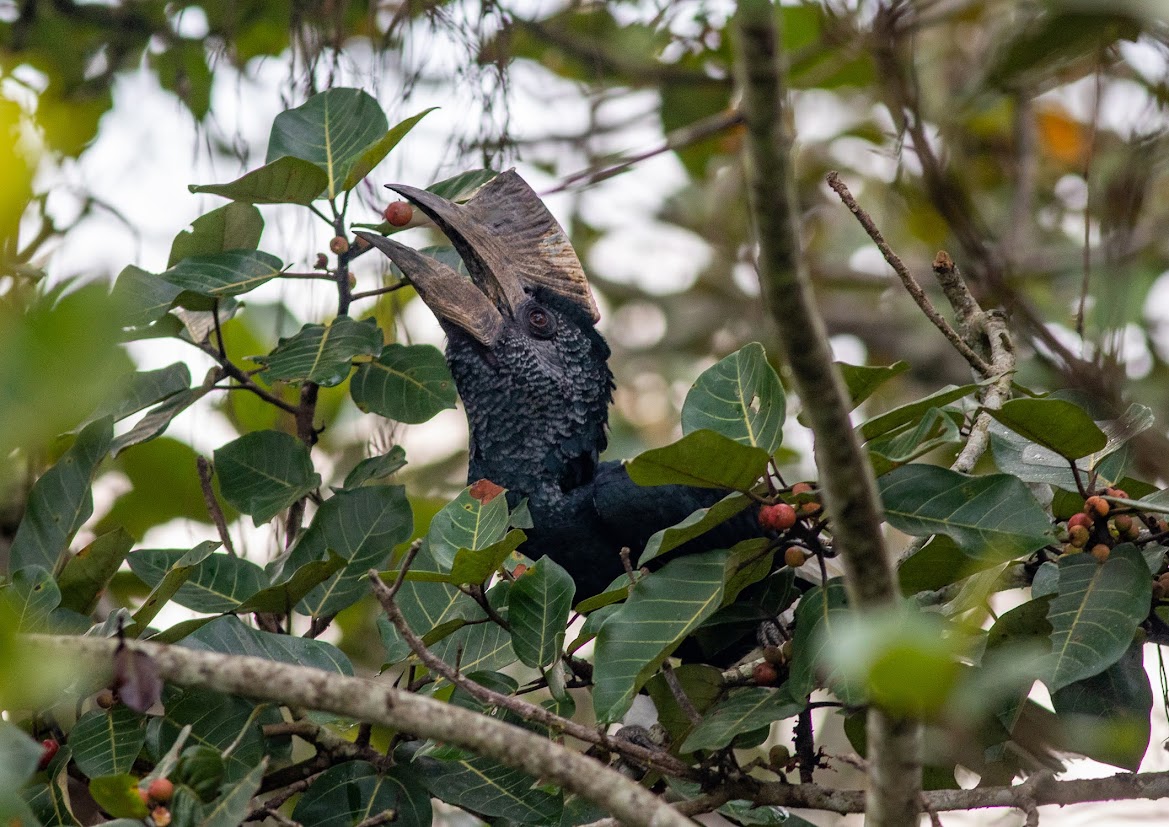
x=510, y=244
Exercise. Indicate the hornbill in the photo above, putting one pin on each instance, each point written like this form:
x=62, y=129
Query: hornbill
x=533, y=373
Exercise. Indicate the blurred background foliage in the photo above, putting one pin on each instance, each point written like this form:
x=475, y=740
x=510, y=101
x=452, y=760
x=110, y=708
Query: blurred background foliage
x=1026, y=138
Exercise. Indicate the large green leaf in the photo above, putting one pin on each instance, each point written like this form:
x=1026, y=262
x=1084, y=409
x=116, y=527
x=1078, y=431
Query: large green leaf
x=372, y=470
x=146, y=388
x=283, y=181
x=230, y=636
x=819, y=617
x=1106, y=716
x=234, y=226
x=31, y=596
x=695, y=525
x=217, y=721
x=473, y=566
x=1056, y=424
x=703, y=458
x=265, y=472
x=406, y=383
x=219, y=275
x=663, y=608
x=349, y=793
x=538, y=604
x=321, y=353
x=479, y=647
x=362, y=526
x=282, y=597
x=743, y=710
x=60, y=501
x=934, y=430
x=176, y=574
x=88, y=572
x=1095, y=613
x=739, y=397
x=342, y=131
x=993, y=516
x=235, y=800
x=142, y=297
x=219, y=583
x=474, y=520
x=485, y=786
x=375, y=152
x=903, y=415
x=158, y=420
x=862, y=380
x=107, y=742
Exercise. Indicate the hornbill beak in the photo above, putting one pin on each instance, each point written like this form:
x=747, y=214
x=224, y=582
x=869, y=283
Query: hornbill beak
x=510, y=243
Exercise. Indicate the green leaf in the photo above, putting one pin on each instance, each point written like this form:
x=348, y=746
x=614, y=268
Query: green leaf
x=146, y=388
x=219, y=275
x=19, y=755
x=461, y=187
x=60, y=501
x=349, y=793
x=664, y=607
x=695, y=525
x=234, y=226
x=903, y=415
x=474, y=566
x=283, y=181
x=743, y=710
x=118, y=796
x=142, y=297
x=321, y=353
x=375, y=469
x=49, y=806
x=863, y=380
x=218, y=583
x=406, y=383
x=1106, y=716
x=338, y=130
x=283, y=597
x=538, y=604
x=87, y=573
x=1056, y=424
x=217, y=721
x=375, y=152
x=1095, y=614
x=934, y=430
x=992, y=517
x=107, y=742
x=702, y=684
x=31, y=596
x=819, y=617
x=479, y=647
x=265, y=472
x=702, y=458
x=474, y=520
x=232, y=806
x=229, y=636
x=176, y=575
x=158, y=420
x=741, y=398
x=484, y=786
x=362, y=526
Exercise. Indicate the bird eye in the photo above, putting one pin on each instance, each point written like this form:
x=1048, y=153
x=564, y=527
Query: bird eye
x=540, y=322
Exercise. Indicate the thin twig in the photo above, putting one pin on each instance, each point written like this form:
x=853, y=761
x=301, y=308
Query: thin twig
x=390, y=288
x=245, y=381
x=911, y=285
x=684, y=702
x=204, y=466
x=530, y=712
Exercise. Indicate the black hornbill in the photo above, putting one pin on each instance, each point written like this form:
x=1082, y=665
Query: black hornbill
x=533, y=374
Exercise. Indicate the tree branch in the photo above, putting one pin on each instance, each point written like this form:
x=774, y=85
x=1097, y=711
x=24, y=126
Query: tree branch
x=377, y=703
x=846, y=477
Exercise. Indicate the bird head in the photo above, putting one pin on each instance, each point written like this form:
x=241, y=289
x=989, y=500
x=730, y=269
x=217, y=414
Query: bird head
x=530, y=366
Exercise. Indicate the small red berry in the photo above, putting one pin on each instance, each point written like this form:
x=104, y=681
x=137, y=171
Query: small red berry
x=399, y=213
x=1100, y=552
x=764, y=674
x=1119, y=493
x=1096, y=507
x=809, y=509
x=777, y=517
x=161, y=817
x=321, y=263
x=795, y=557
x=161, y=789
x=339, y=245
x=803, y=488
x=145, y=796
x=49, y=748
x=1079, y=519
